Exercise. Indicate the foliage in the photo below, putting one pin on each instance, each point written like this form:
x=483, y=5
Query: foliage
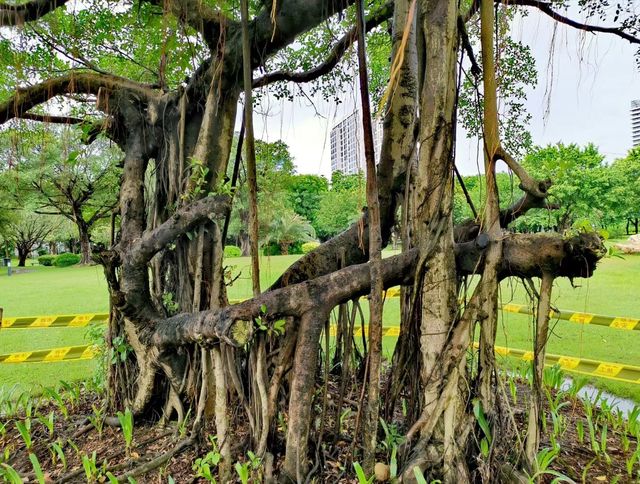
x=304, y=193
x=287, y=228
x=46, y=260
x=65, y=260
x=232, y=251
x=309, y=246
x=341, y=205
x=581, y=186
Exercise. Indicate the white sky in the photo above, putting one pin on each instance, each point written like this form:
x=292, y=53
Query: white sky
x=594, y=80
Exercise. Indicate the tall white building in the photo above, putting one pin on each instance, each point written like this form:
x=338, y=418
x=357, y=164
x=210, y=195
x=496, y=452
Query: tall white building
x=635, y=122
x=347, y=144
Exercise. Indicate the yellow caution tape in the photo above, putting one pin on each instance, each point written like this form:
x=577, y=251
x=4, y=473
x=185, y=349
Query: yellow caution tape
x=602, y=369
x=65, y=321
x=584, y=366
x=630, y=324
x=51, y=355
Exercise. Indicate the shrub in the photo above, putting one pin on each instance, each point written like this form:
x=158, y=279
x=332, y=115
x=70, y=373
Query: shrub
x=232, y=251
x=309, y=246
x=46, y=260
x=42, y=251
x=67, y=259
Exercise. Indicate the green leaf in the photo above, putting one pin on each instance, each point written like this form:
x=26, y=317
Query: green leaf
x=36, y=468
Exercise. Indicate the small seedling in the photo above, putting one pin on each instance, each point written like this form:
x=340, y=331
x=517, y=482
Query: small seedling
x=126, y=422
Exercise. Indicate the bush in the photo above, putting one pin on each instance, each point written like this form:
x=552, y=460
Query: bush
x=232, y=251
x=67, y=259
x=42, y=251
x=46, y=260
x=309, y=246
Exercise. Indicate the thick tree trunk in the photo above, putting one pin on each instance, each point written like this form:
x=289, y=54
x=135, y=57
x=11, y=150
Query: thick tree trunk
x=23, y=253
x=85, y=243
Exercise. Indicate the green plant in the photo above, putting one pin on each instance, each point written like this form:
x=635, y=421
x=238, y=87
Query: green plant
x=47, y=422
x=66, y=259
x=580, y=431
x=90, y=467
x=10, y=474
x=56, y=397
x=24, y=427
x=37, y=469
x=362, y=477
x=249, y=469
x=203, y=466
x=309, y=246
x=420, y=479
x=544, y=459
x=242, y=469
x=97, y=419
x=126, y=423
x=392, y=436
x=485, y=442
x=57, y=452
x=553, y=377
x=170, y=305
x=232, y=251
x=46, y=260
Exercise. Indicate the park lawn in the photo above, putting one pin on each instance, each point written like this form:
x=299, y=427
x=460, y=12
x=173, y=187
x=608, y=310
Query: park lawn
x=614, y=290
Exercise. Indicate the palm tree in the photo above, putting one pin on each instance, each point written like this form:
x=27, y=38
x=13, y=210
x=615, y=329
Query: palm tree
x=287, y=228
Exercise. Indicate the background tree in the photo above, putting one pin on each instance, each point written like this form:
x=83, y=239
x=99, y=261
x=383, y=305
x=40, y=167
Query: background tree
x=305, y=193
x=63, y=176
x=341, y=205
x=26, y=233
x=287, y=228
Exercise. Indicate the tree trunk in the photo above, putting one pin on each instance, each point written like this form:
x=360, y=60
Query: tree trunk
x=23, y=253
x=85, y=243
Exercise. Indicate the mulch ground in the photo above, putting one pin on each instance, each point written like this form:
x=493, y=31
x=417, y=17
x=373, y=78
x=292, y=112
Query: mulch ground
x=576, y=459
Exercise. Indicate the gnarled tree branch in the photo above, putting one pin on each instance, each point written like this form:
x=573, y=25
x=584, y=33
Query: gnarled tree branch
x=26, y=98
x=525, y=255
x=545, y=7
x=338, y=50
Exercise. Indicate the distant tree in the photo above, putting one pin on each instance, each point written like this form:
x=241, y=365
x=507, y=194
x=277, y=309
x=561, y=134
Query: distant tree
x=341, y=205
x=68, y=178
x=305, y=193
x=287, y=228
x=581, y=185
x=275, y=169
x=26, y=232
x=626, y=189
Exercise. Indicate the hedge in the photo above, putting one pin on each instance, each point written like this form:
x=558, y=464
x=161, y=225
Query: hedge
x=65, y=260
x=46, y=260
x=232, y=251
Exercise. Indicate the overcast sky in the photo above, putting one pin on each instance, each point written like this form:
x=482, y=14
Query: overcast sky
x=594, y=78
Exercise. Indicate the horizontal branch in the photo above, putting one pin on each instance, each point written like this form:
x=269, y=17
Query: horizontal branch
x=76, y=82
x=545, y=7
x=525, y=255
x=338, y=50
x=179, y=223
x=12, y=15
x=48, y=118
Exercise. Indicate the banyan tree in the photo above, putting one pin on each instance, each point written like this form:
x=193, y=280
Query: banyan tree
x=165, y=81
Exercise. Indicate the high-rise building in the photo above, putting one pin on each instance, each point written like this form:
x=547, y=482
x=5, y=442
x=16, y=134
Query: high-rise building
x=347, y=144
x=635, y=122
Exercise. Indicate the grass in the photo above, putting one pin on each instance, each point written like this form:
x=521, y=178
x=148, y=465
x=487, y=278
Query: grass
x=613, y=290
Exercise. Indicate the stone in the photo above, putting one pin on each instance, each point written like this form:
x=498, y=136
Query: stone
x=631, y=246
x=382, y=472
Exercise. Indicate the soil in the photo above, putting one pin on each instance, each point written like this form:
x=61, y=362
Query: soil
x=577, y=460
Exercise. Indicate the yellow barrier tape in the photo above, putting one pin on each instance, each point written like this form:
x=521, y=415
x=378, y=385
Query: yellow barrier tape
x=59, y=321
x=51, y=355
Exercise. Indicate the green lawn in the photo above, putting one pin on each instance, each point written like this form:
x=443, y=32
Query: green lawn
x=614, y=290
